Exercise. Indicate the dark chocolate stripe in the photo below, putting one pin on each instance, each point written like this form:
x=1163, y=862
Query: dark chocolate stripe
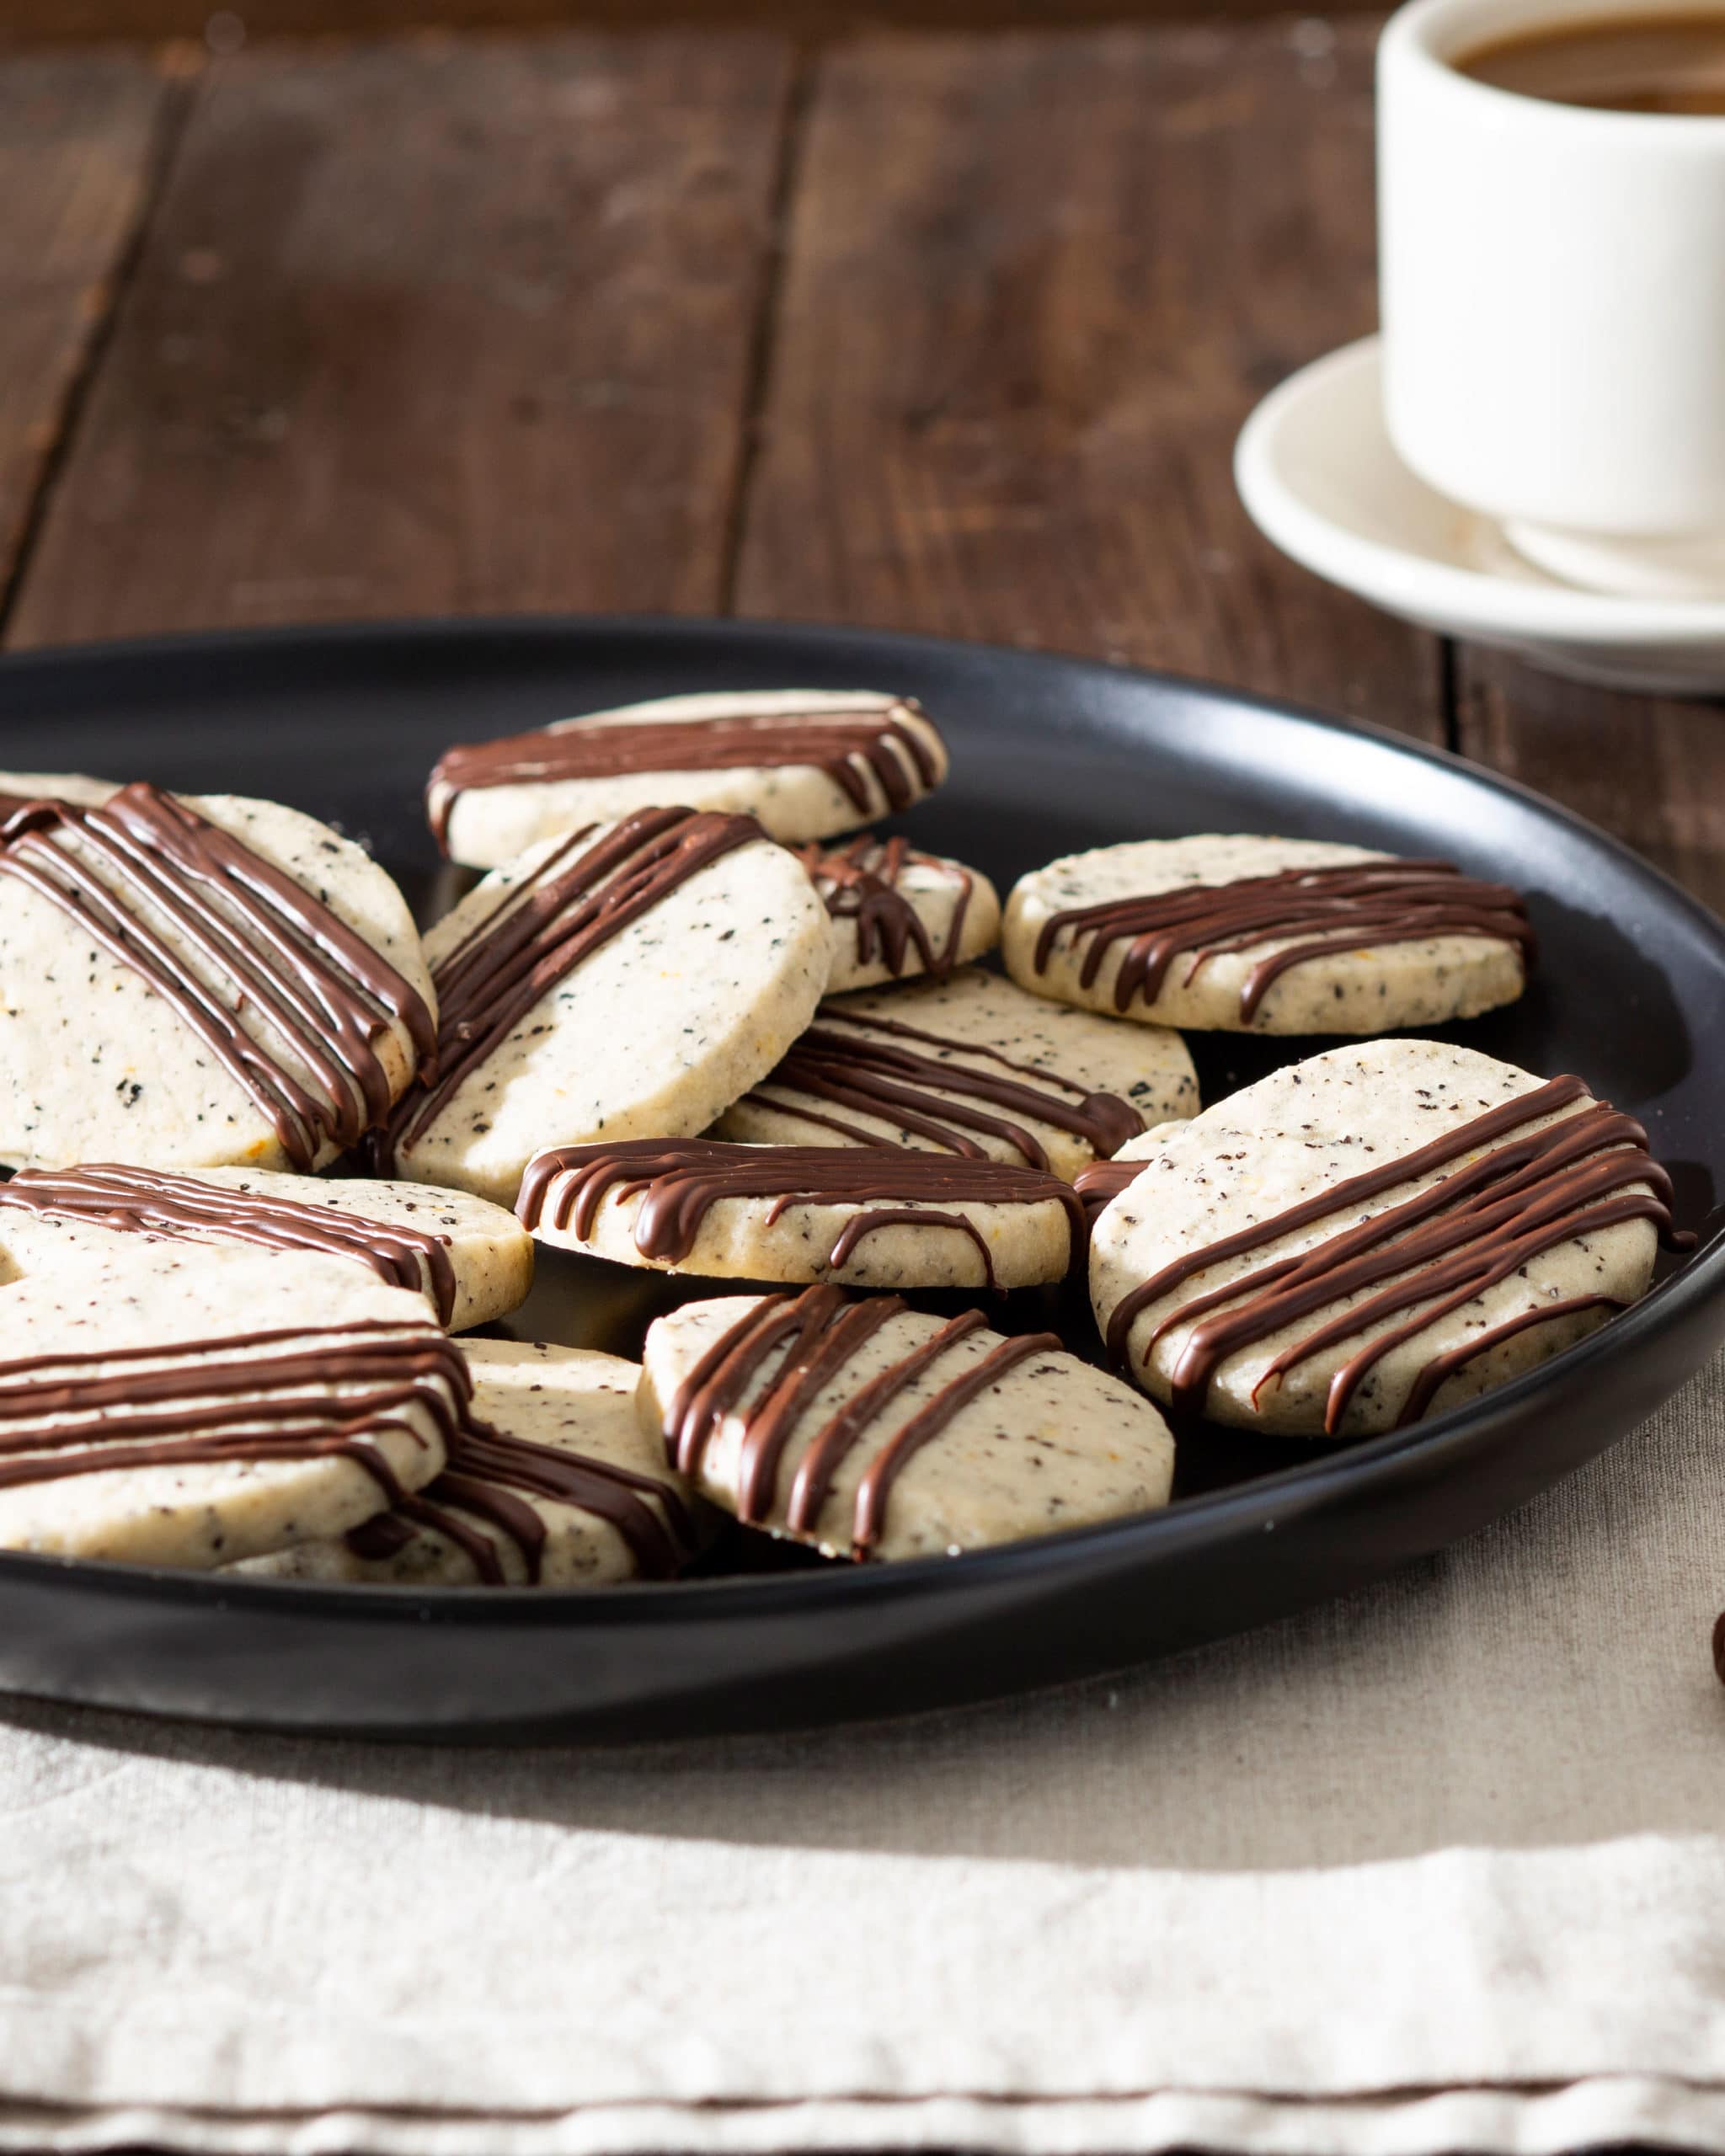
x=860, y=883
x=385, y=1535
x=1321, y=911
x=494, y=1476
x=189, y=1409
x=708, y=1393
x=585, y=891
x=1102, y=1180
x=820, y=1331
x=1442, y=1368
x=854, y=1232
x=928, y=1423
x=144, y=1201
x=304, y=979
x=838, y=1436
x=851, y=744
x=499, y=1511
x=1437, y=1251
x=680, y=1180
x=864, y=1068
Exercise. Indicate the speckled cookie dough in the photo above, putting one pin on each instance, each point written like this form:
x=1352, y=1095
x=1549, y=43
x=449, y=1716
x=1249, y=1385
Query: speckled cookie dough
x=151, y=1353
x=872, y=1431
x=472, y=1260
x=1381, y=986
x=1375, y=1351
x=97, y=1063
x=865, y=1217
x=57, y=785
x=824, y=760
x=653, y=1031
x=873, y=1069
x=898, y=914
x=580, y=1407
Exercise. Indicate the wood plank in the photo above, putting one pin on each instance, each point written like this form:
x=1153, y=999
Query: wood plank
x=1650, y=770
x=429, y=327
x=156, y=18
x=1034, y=285
x=77, y=135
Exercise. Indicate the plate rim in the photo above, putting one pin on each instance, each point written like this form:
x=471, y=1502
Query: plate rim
x=1361, y=1466
x=1406, y=582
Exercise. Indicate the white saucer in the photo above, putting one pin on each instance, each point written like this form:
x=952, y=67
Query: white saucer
x=1318, y=477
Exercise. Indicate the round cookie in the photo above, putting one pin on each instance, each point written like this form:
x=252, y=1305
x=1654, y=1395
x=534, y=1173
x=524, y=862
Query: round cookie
x=872, y=1431
x=1266, y=935
x=867, y=1217
x=973, y=1065
x=628, y=980
x=167, y=1405
x=56, y=786
x=471, y=1261
x=1383, y=1231
x=897, y=913
x=804, y=762
x=558, y=1486
x=197, y=983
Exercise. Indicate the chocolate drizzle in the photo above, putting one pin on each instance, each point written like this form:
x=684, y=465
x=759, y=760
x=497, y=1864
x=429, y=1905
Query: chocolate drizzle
x=493, y=1477
x=1320, y=912
x=816, y=1334
x=860, y=883
x=257, y=1396
x=851, y=744
x=679, y=1181
x=848, y=1062
x=1102, y=1180
x=1432, y=1254
x=140, y=1201
x=261, y=1396
x=312, y=990
x=585, y=891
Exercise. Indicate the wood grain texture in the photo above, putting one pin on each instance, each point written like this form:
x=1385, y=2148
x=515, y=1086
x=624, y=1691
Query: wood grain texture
x=77, y=135
x=63, y=19
x=1034, y=285
x=1650, y=770
x=428, y=327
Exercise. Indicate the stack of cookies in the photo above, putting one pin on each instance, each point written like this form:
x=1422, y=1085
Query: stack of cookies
x=698, y=1017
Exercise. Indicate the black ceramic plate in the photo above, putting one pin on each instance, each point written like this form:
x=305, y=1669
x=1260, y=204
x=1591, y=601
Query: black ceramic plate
x=1049, y=755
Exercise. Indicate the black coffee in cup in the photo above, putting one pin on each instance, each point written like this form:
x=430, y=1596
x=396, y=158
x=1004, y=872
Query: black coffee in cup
x=1671, y=63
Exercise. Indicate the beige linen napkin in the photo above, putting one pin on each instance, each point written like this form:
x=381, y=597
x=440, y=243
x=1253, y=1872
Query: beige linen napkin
x=1440, y=1867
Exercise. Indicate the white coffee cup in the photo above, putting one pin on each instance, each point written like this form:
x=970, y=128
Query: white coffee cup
x=1552, y=282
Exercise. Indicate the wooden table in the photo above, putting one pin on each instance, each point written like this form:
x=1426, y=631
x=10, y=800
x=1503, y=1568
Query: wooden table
x=945, y=332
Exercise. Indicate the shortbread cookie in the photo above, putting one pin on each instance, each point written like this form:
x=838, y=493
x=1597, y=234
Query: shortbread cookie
x=1382, y=1231
x=1266, y=935
x=897, y=913
x=171, y=1405
x=557, y=1484
x=806, y=762
x=869, y=1217
x=16, y=788
x=472, y=1260
x=628, y=980
x=197, y=983
x=874, y=1431
x=971, y=1065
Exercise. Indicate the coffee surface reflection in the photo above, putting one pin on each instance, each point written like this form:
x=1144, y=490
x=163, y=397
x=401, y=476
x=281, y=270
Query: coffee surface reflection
x=1634, y=63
